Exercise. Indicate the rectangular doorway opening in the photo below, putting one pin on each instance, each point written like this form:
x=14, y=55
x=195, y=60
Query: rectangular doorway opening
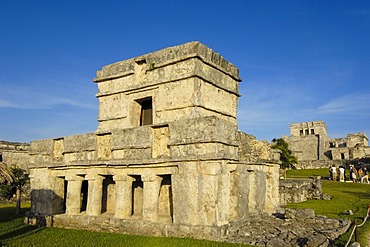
x=137, y=197
x=109, y=195
x=84, y=192
x=165, y=201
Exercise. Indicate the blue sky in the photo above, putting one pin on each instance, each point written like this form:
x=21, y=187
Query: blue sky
x=299, y=60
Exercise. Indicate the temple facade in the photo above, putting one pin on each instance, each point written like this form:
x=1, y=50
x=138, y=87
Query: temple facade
x=313, y=148
x=167, y=157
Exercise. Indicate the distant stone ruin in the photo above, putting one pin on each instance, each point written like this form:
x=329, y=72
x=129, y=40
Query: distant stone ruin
x=167, y=157
x=15, y=154
x=313, y=148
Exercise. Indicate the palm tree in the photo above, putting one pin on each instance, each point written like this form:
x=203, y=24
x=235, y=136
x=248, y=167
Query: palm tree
x=286, y=156
x=6, y=174
x=15, y=178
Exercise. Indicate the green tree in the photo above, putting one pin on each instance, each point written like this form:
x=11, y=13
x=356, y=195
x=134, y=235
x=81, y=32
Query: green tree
x=286, y=157
x=8, y=186
x=20, y=180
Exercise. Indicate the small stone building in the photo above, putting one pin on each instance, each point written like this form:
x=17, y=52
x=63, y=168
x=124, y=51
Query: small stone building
x=167, y=157
x=312, y=146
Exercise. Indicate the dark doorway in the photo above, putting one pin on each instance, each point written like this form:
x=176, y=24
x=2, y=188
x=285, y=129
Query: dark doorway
x=65, y=195
x=146, y=113
x=84, y=191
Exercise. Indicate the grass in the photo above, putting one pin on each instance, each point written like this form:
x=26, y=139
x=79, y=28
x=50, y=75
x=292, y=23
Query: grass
x=14, y=233
x=305, y=173
x=346, y=196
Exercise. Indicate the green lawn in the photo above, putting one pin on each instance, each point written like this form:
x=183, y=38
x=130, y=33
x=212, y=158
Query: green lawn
x=14, y=233
x=299, y=173
x=346, y=196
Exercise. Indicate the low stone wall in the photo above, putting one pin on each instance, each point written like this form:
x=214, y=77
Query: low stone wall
x=291, y=227
x=107, y=223
x=316, y=164
x=300, y=190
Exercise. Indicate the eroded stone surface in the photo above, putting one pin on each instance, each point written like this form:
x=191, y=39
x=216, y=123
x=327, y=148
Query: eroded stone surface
x=294, y=227
x=15, y=154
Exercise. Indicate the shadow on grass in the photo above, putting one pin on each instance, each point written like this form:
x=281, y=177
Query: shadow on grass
x=359, y=194
x=12, y=226
x=8, y=213
x=24, y=231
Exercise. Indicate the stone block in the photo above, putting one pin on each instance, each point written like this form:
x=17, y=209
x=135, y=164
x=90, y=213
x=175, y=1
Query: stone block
x=199, y=130
x=77, y=143
x=134, y=138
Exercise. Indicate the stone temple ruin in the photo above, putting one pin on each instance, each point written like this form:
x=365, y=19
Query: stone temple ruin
x=15, y=154
x=313, y=148
x=167, y=157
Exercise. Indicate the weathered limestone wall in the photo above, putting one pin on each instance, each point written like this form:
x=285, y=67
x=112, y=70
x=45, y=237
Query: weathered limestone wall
x=194, y=76
x=42, y=192
x=305, y=148
x=316, y=164
x=300, y=190
x=358, y=139
x=205, y=138
x=308, y=128
x=252, y=150
x=359, y=152
x=15, y=154
x=124, y=226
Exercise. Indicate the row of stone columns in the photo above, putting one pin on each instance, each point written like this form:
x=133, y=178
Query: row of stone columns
x=123, y=204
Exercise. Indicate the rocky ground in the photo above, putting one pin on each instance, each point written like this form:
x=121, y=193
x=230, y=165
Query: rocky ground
x=294, y=227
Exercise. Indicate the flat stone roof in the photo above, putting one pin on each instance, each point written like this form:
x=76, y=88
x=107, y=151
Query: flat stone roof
x=168, y=56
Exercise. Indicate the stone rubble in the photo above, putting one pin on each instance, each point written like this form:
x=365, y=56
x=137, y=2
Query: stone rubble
x=296, y=227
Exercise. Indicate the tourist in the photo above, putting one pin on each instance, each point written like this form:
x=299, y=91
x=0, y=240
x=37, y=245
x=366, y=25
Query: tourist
x=330, y=174
x=365, y=176
x=354, y=177
x=352, y=173
x=334, y=172
x=341, y=173
x=360, y=174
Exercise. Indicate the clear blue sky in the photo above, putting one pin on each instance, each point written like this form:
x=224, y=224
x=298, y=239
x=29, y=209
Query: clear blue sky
x=299, y=60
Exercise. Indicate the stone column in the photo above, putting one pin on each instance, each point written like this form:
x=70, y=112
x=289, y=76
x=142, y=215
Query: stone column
x=252, y=197
x=272, y=188
x=152, y=184
x=94, y=194
x=223, y=199
x=123, y=196
x=73, y=200
x=208, y=191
